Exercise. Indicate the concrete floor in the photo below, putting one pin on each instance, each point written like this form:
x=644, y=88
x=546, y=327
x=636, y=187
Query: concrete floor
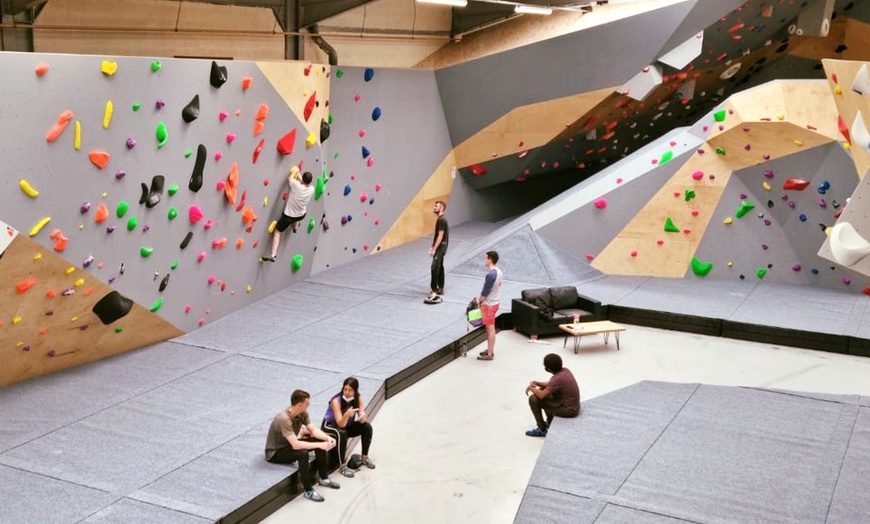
x=452, y=447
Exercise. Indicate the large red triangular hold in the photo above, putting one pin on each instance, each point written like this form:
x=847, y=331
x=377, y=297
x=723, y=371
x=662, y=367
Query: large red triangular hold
x=287, y=143
x=309, y=106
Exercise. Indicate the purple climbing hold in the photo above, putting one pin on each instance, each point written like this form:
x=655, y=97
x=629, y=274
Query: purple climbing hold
x=344, y=220
x=796, y=267
x=822, y=203
x=85, y=207
x=743, y=196
x=159, y=104
x=131, y=143
x=51, y=353
x=791, y=204
x=847, y=280
x=110, y=229
x=768, y=174
x=88, y=261
x=767, y=222
x=120, y=175
x=68, y=292
x=763, y=246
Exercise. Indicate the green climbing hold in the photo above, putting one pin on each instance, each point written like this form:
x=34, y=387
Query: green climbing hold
x=667, y=157
x=172, y=213
x=339, y=73
x=745, y=207
x=174, y=265
x=155, y=66
x=701, y=269
x=329, y=119
x=145, y=252
x=311, y=225
x=162, y=135
x=719, y=116
x=335, y=155
x=119, y=329
x=296, y=262
x=132, y=223
x=137, y=106
x=761, y=272
x=156, y=305
x=122, y=208
x=188, y=153
x=720, y=151
x=670, y=227
x=689, y=194
x=172, y=189
x=318, y=188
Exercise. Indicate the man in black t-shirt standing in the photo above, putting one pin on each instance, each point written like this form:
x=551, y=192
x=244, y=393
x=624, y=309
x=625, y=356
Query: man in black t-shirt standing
x=437, y=252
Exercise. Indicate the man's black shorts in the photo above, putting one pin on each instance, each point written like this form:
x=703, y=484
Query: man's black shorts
x=284, y=222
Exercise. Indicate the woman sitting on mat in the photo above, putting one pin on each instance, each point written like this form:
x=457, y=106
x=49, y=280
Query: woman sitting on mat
x=347, y=411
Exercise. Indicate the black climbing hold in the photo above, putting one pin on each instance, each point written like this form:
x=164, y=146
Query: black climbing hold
x=191, y=110
x=164, y=282
x=196, y=177
x=156, y=191
x=186, y=239
x=324, y=130
x=770, y=204
x=112, y=307
x=218, y=75
x=144, y=197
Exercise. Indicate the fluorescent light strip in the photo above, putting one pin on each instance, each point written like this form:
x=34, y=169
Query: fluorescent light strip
x=532, y=10
x=454, y=3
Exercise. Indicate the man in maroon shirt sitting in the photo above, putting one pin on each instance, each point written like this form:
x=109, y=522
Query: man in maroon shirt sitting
x=560, y=397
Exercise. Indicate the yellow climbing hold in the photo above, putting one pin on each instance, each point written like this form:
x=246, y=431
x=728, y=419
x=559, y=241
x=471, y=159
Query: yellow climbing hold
x=727, y=221
x=109, y=68
x=73, y=319
x=780, y=117
x=272, y=226
x=104, y=195
x=766, y=186
x=847, y=146
x=79, y=283
x=798, y=143
x=39, y=225
x=838, y=90
x=107, y=115
x=37, y=257
x=730, y=263
x=16, y=321
x=28, y=189
x=70, y=270
x=310, y=140
x=265, y=201
x=828, y=231
x=248, y=288
x=77, y=143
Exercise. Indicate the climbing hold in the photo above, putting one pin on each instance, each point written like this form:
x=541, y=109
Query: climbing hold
x=230, y=190
x=802, y=217
x=311, y=224
x=719, y=116
x=287, y=143
x=745, y=207
x=347, y=190
x=172, y=213
x=102, y=213
x=207, y=224
x=670, y=227
x=25, y=284
x=376, y=114
x=822, y=203
x=145, y=252
x=310, y=140
x=223, y=115
x=99, y=158
x=259, y=126
x=58, y=128
x=39, y=225
x=28, y=189
x=136, y=106
x=257, y=150
x=77, y=137
x=132, y=223
x=162, y=134
x=41, y=68
x=156, y=305
x=130, y=143
x=108, y=68
x=85, y=207
x=191, y=110
x=365, y=152
x=107, y=115
x=363, y=196
x=218, y=75
x=765, y=185
x=368, y=74
x=195, y=182
x=309, y=106
x=186, y=240
x=688, y=194
x=122, y=208
x=211, y=279
x=701, y=269
x=246, y=83
x=296, y=262
x=194, y=213
x=796, y=267
x=319, y=187
x=698, y=175
x=601, y=203
x=231, y=137
x=201, y=256
x=219, y=243
x=59, y=240
x=761, y=272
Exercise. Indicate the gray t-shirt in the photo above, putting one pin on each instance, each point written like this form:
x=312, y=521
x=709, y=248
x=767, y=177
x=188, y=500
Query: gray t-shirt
x=283, y=425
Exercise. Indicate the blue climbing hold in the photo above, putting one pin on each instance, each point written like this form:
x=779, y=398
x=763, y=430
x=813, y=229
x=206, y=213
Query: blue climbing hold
x=347, y=190
x=365, y=152
x=803, y=217
x=376, y=113
x=814, y=271
x=371, y=201
x=369, y=74
x=349, y=218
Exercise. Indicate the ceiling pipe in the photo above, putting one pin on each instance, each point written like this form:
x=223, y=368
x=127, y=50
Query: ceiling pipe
x=324, y=45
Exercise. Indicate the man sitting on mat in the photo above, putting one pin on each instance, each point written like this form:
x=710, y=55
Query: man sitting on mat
x=559, y=397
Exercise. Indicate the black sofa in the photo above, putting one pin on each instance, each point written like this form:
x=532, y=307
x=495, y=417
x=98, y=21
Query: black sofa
x=540, y=311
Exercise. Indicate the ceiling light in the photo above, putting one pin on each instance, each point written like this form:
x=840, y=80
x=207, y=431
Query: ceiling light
x=454, y=3
x=533, y=10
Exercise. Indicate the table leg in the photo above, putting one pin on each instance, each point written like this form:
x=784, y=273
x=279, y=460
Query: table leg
x=606, y=337
x=565, y=341
x=576, y=344
x=617, y=340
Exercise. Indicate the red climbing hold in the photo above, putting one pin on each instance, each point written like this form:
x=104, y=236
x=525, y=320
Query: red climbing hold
x=58, y=128
x=478, y=170
x=24, y=285
x=287, y=143
x=309, y=106
x=844, y=129
x=258, y=149
x=795, y=184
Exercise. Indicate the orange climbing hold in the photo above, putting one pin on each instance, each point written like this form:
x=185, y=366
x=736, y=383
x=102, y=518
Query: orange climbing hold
x=258, y=127
x=58, y=128
x=246, y=83
x=25, y=284
x=59, y=240
x=232, y=182
x=309, y=106
x=99, y=158
x=262, y=112
x=248, y=215
x=42, y=68
x=102, y=213
x=240, y=243
x=88, y=291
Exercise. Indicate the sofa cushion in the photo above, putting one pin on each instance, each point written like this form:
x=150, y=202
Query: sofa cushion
x=536, y=296
x=563, y=297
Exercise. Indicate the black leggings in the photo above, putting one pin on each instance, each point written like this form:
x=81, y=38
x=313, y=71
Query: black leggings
x=353, y=429
x=289, y=455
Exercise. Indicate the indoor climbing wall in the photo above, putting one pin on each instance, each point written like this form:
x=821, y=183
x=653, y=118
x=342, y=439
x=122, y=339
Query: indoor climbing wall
x=149, y=185
x=389, y=160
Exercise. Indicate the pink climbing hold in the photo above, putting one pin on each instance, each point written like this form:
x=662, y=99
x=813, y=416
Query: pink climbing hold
x=634, y=253
x=356, y=98
x=362, y=133
x=370, y=162
x=218, y=156
x=698, y=175
x=187, y=309
x=660, y=241
x=231, y=137
x=363, y=196
x=223, y=116
x=208, y=224
x=377, y=187
x=201, y=322
x=194, y=213
x=211, y=279
x=590, y=257
x=219, y=185
x=601, y=203
x=365, y=247
x=377, y=221
x=201, y=256
x=618, y=180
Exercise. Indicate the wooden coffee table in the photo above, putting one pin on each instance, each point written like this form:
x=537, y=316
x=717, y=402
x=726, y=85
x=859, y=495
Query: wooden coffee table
x=591, y=328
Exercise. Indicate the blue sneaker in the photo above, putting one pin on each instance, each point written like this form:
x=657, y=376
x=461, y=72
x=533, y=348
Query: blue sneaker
x=536, y=433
